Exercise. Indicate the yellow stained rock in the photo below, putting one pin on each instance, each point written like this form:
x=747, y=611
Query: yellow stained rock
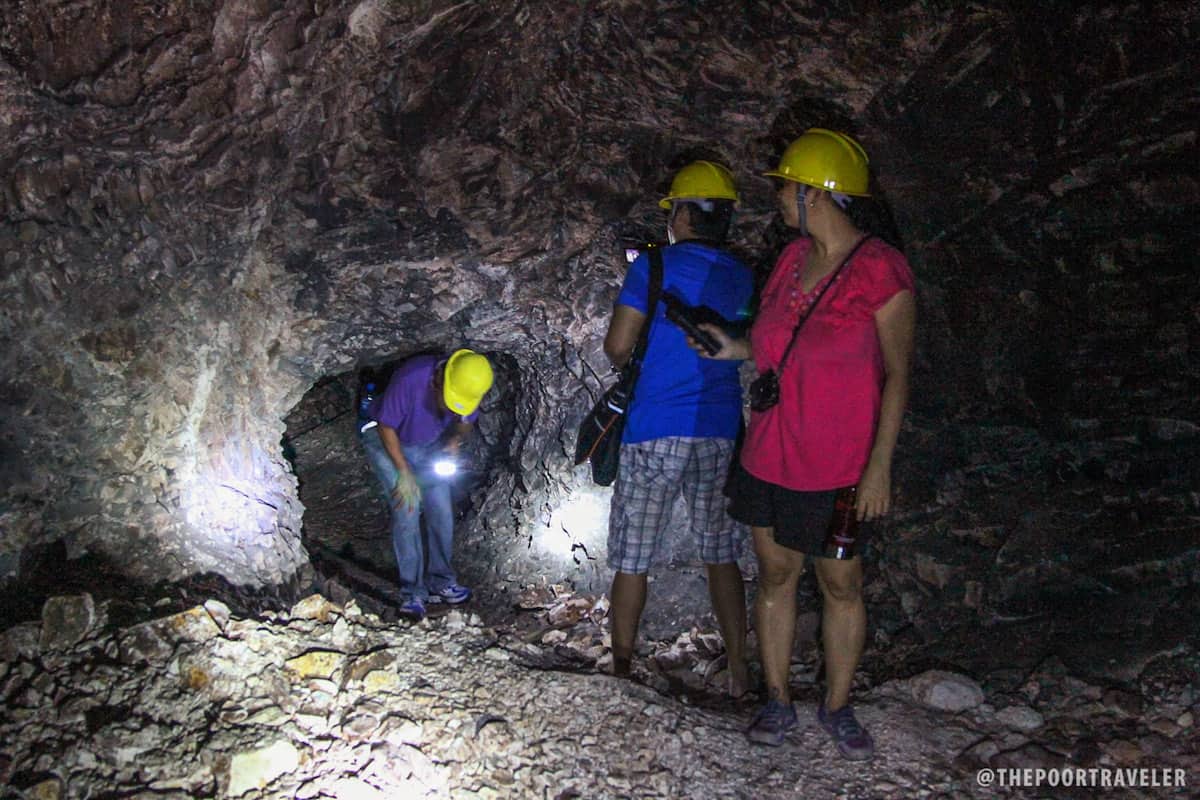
x=381, y=680
x=316, y=664
x=361, y=666
x=195, y=624
x=47, y=790
x=195, y=678
x=315, y=607
x=257, y=768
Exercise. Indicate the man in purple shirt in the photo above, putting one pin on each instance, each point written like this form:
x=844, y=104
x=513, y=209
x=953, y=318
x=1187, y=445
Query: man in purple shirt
x=411, y=441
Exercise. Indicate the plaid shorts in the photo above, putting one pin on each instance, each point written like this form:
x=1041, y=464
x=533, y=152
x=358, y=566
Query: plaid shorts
x=651, y=475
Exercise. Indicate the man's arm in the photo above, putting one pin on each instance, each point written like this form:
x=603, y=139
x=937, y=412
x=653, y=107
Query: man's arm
x=391, y=443
x=623, y=330
x=406, y=490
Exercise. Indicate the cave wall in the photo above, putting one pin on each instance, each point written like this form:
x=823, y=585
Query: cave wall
x=207, y=207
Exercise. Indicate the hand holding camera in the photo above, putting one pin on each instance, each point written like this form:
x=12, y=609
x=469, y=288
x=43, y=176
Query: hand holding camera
x=688, y=321
x=707, y=331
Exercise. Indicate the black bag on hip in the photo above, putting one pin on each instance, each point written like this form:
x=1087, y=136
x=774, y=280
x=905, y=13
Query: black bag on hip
x=599, y=438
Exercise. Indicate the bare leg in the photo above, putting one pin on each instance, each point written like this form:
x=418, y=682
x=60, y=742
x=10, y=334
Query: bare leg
x=843, y=625
x=728, y=593
x=628, y=598
x=779, y=570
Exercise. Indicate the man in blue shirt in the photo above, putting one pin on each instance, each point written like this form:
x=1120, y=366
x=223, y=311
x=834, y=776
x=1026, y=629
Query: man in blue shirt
x=686, y=411
x=413, y=434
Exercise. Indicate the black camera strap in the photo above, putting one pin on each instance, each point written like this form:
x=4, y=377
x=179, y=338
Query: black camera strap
x=815, y=303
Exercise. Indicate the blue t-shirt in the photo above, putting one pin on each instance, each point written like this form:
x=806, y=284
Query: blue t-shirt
x=679, y=393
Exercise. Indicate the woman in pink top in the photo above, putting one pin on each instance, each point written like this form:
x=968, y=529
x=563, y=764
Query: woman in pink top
x=843, y=386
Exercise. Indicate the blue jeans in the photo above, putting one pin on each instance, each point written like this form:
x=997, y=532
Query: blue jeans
x=414, y=549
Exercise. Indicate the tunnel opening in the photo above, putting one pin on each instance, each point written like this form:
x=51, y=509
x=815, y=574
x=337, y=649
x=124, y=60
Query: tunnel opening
x=345, y=525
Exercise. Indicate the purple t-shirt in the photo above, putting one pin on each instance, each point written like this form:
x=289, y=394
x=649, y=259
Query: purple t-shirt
x=410, y=405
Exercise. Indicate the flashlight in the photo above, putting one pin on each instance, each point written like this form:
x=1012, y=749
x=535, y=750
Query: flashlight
x=444, y=468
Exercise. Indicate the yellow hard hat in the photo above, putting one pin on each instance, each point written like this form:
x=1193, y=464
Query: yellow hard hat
x=468, y=378
x=701, y=180
x=827, y=160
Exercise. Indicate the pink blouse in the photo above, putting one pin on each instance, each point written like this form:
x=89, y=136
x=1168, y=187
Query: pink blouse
x=819, y=436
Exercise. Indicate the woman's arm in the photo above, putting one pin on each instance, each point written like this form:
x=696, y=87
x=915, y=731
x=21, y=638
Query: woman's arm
x=895, y=324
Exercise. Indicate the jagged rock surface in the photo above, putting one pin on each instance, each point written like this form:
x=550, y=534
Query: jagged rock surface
x=206, y=210
x=323, y=700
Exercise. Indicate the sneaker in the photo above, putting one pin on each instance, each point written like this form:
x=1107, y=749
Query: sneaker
x=451, y=594
x=852, y=739
x=413, y=608
x=771, y=723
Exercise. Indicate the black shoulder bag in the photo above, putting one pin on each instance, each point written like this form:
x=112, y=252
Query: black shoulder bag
x=599, y=439
x=764, y=392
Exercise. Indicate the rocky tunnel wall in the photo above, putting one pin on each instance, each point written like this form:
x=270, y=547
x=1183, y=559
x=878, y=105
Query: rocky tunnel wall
x=207, y=208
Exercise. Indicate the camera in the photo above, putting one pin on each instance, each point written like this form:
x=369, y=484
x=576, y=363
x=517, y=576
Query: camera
x=633, y=250
x=688, y=319
x=764, y=392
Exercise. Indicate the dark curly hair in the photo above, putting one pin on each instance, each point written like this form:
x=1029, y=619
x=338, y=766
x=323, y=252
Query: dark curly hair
x=873, y=215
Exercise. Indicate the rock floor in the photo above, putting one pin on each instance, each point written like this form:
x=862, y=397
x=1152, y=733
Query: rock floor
x=198, y=690
x=324, y=700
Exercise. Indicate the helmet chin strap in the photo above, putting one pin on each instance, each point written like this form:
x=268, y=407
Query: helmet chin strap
x=802, y=212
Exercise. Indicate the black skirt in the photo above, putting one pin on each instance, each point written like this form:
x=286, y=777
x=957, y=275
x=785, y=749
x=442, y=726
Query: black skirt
x=800, y=519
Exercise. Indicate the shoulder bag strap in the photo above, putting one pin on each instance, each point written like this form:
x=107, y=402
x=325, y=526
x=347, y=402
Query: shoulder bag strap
x=653, y=292
x=813, y=307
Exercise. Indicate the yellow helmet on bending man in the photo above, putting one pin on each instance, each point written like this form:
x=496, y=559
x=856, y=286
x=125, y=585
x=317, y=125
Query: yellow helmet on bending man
x=468, y=377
